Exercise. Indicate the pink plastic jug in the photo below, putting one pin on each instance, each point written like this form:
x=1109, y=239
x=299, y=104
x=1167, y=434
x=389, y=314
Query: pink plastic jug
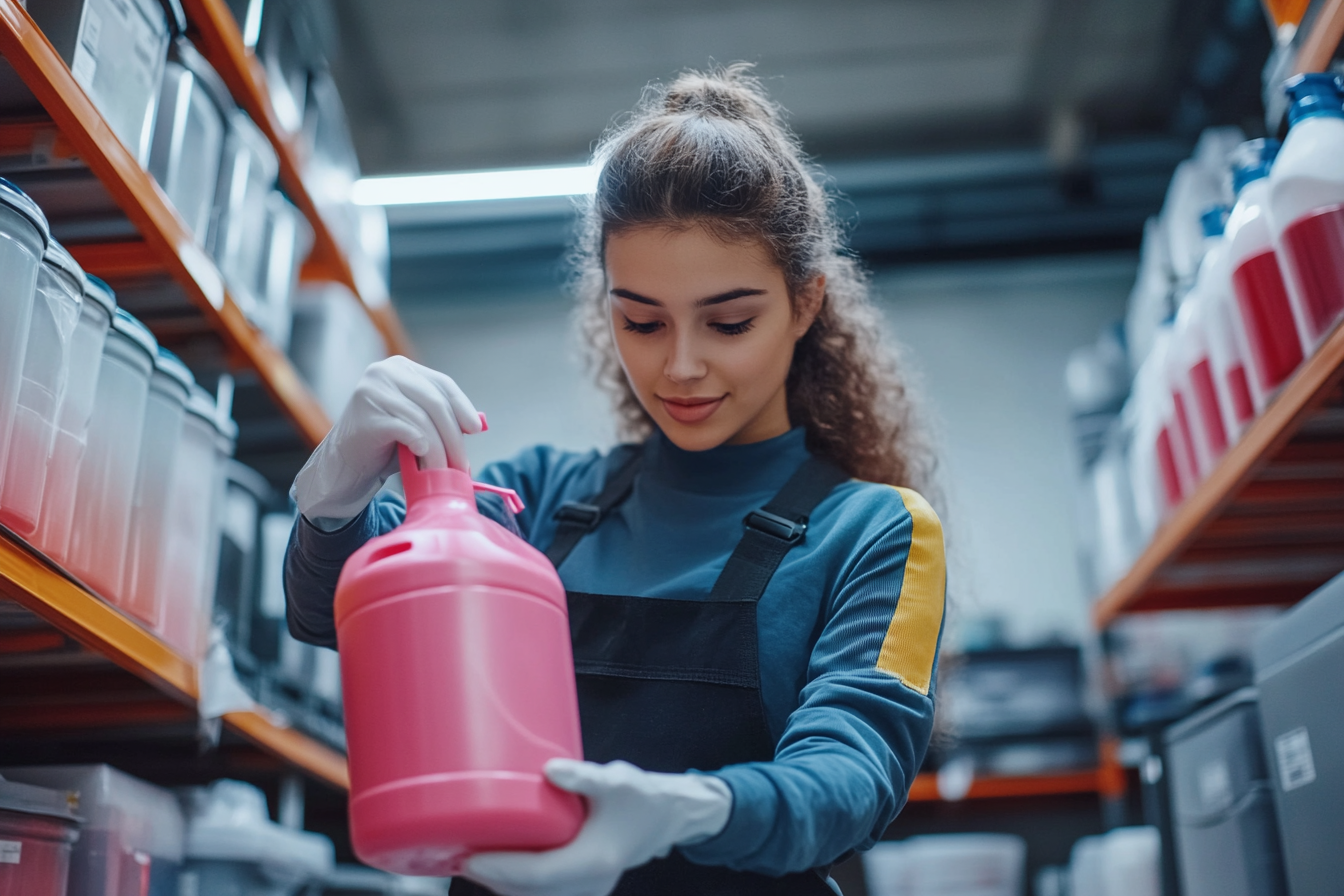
x=458, y=677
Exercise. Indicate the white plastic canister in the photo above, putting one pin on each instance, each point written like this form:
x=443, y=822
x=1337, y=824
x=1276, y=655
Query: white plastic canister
x=168, y=390
x=72, y=421
x=60, y=293
x=23, y=239
x=106, y=487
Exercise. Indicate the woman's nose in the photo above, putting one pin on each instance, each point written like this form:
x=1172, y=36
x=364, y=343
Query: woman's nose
x=684, y=363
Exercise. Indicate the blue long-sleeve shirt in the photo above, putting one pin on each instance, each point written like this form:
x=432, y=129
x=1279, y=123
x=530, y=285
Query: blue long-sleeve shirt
x=849, y=626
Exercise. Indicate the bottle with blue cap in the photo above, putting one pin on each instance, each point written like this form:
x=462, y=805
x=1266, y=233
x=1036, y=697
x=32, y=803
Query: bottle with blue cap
x=1274, y=347
x=1306, y=204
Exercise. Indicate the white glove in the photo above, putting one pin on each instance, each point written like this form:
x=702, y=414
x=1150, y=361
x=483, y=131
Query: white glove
x=633, y=816
x=396, y=400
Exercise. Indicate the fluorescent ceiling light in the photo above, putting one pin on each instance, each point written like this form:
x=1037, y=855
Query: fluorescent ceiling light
x=475, y=186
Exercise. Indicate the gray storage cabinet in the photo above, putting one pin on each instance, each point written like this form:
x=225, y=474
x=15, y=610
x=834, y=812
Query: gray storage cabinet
x=1299, y=670
x=1222, y=809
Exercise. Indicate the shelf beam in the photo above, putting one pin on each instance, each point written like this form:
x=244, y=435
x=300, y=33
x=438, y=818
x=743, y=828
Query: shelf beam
x=1321, y=43
x=144, y=203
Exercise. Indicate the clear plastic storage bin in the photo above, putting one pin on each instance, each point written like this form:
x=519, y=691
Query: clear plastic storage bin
x=131, y=839
x=168, y=390
x=23, y=239
x=288, y=239
x=191, y=529
x=116, y=50
x=60, y=292
x=37, y=829
x=234, y=849
x=72, y=421
x=194, y=107
x=238, y=237
x=102, y=522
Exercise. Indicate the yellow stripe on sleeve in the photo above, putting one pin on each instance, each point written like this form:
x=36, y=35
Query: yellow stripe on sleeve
x=911, y=643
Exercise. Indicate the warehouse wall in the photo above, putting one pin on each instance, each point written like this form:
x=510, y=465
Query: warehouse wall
x=987, y=342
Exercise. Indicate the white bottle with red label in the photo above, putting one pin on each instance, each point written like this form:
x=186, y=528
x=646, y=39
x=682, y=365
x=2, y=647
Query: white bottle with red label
x=1226, y=340
x=1306, y=204
x=1190, y=371
x=1273, y=346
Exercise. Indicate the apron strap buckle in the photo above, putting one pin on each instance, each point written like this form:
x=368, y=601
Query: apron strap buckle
x=787, y=530
x=586, y=515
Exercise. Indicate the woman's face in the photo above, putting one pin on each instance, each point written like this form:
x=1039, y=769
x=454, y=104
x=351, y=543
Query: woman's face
x=705, y=332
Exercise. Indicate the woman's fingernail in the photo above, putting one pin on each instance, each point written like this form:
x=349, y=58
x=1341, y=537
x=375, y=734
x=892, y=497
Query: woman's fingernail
x=484, y=426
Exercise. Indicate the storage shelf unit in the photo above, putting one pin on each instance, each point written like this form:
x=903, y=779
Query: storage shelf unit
x=221, y=42
x=75, y=612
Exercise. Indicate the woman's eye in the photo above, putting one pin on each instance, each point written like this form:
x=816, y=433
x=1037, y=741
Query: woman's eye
x=646, y=328
x=736, y=329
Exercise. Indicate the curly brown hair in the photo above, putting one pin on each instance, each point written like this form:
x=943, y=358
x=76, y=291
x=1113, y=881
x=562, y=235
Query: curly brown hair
x=711, y=149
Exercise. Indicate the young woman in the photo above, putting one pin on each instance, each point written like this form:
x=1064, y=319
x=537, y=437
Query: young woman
x=755, y=589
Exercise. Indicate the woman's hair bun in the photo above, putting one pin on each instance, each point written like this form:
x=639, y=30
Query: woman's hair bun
x=731, y=92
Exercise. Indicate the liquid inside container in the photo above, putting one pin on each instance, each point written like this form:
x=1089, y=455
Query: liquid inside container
x=81, y=384
x=458, y=679
x=168, y=390
x=37, y=830
x=102, y=521
x=23, y=240
x=60, y=290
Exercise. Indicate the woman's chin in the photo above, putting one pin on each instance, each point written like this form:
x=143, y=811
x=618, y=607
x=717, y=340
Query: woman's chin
x=701, y=436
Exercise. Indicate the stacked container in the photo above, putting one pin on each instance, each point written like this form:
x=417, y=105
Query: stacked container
x=237, y=238
x=164, y=411
x=23, y=241
x=186, y=579
x=194, y=108
x=37, y=829
x=72, y=421
x=287, y=239
x=60, y=290
x=332, y=342
x=1273, y=348
x=101, y=525
x=1306, y=204
x=131, y=839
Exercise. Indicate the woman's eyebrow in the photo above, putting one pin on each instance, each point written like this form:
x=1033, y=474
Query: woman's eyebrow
x=700, y=303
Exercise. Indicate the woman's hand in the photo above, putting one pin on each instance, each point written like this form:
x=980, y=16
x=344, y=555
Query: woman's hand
x=633, y=816
x=396, y=400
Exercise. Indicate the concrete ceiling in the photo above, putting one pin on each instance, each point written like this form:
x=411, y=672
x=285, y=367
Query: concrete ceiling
x=460, y=84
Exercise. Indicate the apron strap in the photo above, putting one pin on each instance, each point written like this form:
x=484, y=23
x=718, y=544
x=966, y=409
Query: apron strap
x=774, y=529
x=576, y=519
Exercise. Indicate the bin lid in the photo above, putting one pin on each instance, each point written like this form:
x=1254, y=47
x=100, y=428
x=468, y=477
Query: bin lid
x=96, y=288
x=31, y=800
x=1318, y=617
x=129, y=326
x=250, y=481
x=22, y=203
x=57, y=257
x=228, y=822
x=137, y=814
x=169, y=364
x=1198, y=721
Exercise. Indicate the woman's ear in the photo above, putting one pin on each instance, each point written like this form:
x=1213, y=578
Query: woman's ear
x=808, y=304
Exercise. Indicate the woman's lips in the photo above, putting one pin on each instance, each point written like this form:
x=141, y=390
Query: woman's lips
x=691, y=410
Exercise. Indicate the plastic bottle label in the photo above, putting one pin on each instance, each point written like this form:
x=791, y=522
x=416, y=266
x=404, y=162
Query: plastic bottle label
x=1166, y=463
x=1184, y=435
x=11, y=852
x=1263, y=300
x=1240, y=390
x=1206, y=402
x=1314, y=250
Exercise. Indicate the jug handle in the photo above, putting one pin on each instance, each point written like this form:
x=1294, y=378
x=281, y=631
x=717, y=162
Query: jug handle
x=410, y=469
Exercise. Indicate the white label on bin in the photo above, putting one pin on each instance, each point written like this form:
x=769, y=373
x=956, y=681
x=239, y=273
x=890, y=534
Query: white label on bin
x=1296, y=766
x=11, y=851
x=86, y=48
x=1215, y=786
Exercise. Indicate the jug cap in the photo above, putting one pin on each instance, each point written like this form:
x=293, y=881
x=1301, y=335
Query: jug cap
x=1313, y=94
x=59, y=258
x=1251, y=161
x=21, y=202
x=1214, y=220
x=128, y=325
x=447, y=481
x=171, y=365
x=96, y=288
